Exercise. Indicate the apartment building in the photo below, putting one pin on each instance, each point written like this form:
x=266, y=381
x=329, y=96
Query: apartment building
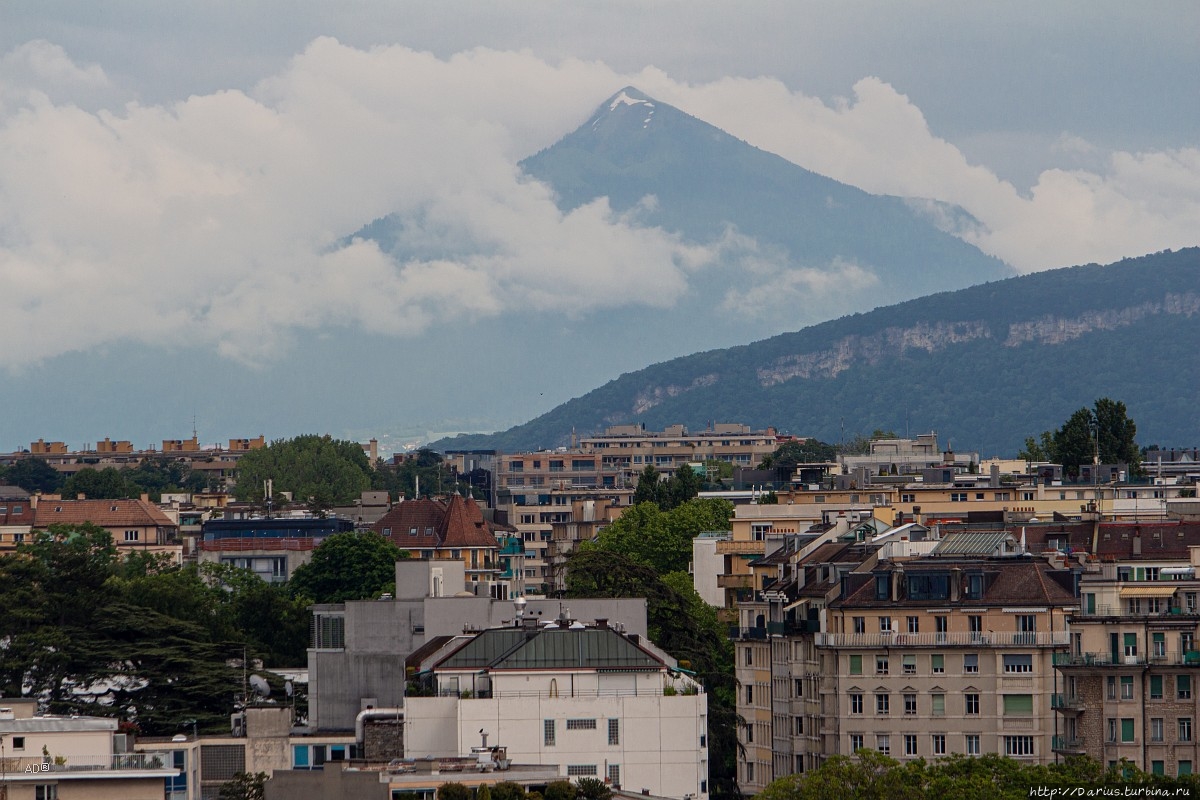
x=271, y=547
x=632, y=447
x=917, y=649
x=1128, y=683
x=589, y=699
x=74, y=758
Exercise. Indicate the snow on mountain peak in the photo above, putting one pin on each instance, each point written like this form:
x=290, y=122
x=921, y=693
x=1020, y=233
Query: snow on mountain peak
x=623, y=98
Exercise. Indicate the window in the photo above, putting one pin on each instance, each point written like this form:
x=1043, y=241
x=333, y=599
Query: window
x=971, y=663
x=1185, y=729
x=1156, y=687
x=1111, y=687
x=1183, y=687
x=1018, y=704
x=1156, y=729
x=1127, y=729
x=939, y=744
x=749, y=651
x=971, y=704
x=580, y=770
x=614, y=731
x=939, y=704
x=928, y=587
x=856, y=665
x=937, y=664
x=1026, y=629
x=581, y=724
x=1126, y=687
x=1131, y=649
x=750, y=771
x=914, y=624
x=856, y=742
x=1185, y=768
x=131, y=536
x=798, y=686
x=972, y=744
x=975, y=622
x=856, y=703
x=860, y=624
x=329, y=631
x=908, y=498
x=1160, y=645
x=45, y=791
x=958, y=497
x=18, y=743
x=548, y=732
x=909, y=664
x=910, y=704
x=1112, y=729
x=885, y=624
x=1018, y=745
x=883, y=743
x=910, y=744
x=883, y=703
x=750, y=694
x=941, y=626
x=1018, y=663
x=881, y=665
x=614, y=774
x=750, y=733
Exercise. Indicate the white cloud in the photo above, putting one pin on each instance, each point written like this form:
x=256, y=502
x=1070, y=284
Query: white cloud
x=220, y=219
x=784, y=291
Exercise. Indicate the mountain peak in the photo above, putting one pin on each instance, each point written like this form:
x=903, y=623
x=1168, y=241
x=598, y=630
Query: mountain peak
x=628, y=102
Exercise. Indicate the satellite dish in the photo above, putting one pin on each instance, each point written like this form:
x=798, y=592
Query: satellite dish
x=260, y=686
x=287, y=687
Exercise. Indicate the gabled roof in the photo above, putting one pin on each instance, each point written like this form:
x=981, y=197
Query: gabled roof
x=429, y=524
x=550, y=648
x=105, y=513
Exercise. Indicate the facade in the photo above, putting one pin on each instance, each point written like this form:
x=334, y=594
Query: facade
x=271, y=547
x=589, y=699
x=918, y=648
x=356, y=657
x=74, y=758
x=16, y=516
x=133, y=524
x=1127, y=686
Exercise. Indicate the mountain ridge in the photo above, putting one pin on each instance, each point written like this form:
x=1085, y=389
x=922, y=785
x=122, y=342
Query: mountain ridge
x=1059, y=339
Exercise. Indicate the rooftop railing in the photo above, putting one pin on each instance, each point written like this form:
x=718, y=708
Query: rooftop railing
x=121, y=762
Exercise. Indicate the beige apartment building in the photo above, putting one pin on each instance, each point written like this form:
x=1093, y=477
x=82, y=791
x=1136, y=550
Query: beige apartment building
x=1128, y=684
x=914, y=649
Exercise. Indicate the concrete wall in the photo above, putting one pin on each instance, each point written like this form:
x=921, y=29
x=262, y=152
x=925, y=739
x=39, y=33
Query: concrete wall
x=327, y=784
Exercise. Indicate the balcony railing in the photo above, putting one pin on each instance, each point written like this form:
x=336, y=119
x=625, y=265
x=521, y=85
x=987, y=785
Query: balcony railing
x=735, y=581
x=747, y=633
x=1066, y=744
x=122, y=762
x=1065, y=702
x=1099, y=660
x=989, y=639
x=1124, y=611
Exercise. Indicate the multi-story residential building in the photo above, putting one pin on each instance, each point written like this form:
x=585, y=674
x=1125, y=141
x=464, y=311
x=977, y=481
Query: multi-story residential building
x=356, y=657
x=74, y=758
x=590, y=699
x=916, y=648
x=1127, y=686
x=454, y=528
x=587, y=519
x=632, y=447
x=133, y=524
x=16, y=516
x=271, y=547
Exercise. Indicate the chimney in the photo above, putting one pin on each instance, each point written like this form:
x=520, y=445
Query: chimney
x=994, y=477
x=896, y=576
x=1137, y=541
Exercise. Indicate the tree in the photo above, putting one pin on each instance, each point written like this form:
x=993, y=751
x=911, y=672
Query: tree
x=663, y=540
x=592, y=789
x=483, y=792
x=1104, y=431
x=348, y=566
x=244, y=786
x=508, y=790
x=648, y=488
x=559, y=790
x=452, y=790
x=33, y=475
x=1116, y=434
x=100, y=484
x=307, y=466
x=789, y=454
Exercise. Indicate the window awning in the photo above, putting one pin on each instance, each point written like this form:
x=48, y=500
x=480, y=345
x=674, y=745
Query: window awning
x=1148, y=591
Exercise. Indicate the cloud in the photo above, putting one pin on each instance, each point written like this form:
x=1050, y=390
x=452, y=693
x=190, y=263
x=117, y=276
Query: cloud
x=223, y=219
x=782, y=291
x=879, y=141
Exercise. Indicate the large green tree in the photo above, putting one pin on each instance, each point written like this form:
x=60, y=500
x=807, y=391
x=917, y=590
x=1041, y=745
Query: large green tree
x=663, y=539
x=312, y=468
x=789, y=454
x=1105, y=431
x=348, y=566
x=32, y=475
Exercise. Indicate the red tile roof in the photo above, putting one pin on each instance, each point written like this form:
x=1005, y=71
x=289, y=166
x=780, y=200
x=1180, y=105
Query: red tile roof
x=105, y=513
x=429, y=524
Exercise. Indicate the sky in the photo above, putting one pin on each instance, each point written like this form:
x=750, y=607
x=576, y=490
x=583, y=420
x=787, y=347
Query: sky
x=185, y=176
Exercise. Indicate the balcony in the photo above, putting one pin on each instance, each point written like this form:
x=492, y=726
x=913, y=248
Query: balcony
x=747, y=633
x=990, y=639
x=1066, y=744
x=1099, y=660
x=1065, y=702
x=121, y=765
x=742, y=548
x=735, y=581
